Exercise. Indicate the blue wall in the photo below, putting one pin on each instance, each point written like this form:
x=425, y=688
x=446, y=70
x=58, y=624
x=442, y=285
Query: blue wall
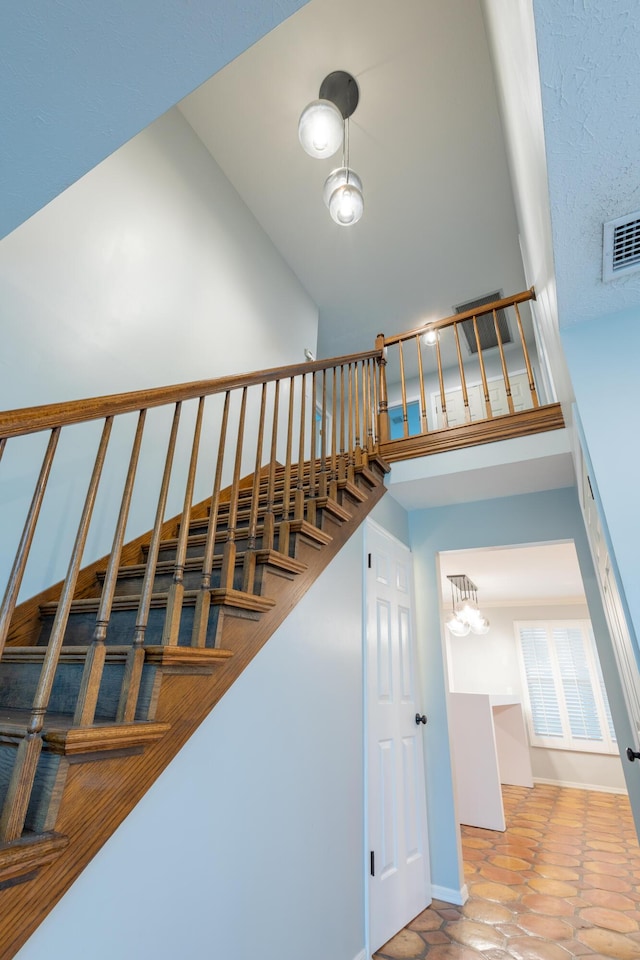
x=528, y=519
x=80, y=78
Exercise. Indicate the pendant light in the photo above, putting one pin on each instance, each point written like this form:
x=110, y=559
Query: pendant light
x=324, y=127
x=465, y=616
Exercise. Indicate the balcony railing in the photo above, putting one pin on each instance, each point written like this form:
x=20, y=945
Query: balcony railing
x=466, y=379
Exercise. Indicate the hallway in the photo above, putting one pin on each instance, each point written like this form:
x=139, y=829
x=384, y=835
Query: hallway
x=562, y=882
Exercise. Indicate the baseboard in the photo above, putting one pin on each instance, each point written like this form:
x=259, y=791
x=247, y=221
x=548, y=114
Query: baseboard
x=449, y=894
x=580, y=786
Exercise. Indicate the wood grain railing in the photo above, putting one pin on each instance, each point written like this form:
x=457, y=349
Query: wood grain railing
x=318, y=420
x=465, y=379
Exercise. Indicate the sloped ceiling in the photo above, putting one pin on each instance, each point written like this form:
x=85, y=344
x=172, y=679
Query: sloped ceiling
x=439, y=225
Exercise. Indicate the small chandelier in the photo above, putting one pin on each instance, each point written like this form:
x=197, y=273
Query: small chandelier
x=465, y=616
x=322, y=129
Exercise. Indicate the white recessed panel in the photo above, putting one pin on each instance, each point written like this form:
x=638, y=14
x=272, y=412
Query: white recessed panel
x=406, y=666
x=412, y=844
x=384, y=651
x=388, y=841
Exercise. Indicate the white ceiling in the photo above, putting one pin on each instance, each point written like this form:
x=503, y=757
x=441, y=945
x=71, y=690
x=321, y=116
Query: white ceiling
x=439, y=225
x=509, y=575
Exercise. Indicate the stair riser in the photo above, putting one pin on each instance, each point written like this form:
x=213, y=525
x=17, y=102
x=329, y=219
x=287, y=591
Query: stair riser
x=51, y=775
x=324, y=521
x=122, y=626
x=18, y=682
x=131, y=585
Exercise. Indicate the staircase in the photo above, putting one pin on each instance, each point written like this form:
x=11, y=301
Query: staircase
x=105, y=676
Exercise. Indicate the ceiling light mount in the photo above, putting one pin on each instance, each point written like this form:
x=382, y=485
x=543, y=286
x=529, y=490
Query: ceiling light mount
x=342, y=89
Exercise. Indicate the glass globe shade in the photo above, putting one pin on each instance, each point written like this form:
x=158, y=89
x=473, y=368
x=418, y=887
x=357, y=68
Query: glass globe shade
x=456, y=626
x=338, y=178
x=430, y=338
x=481, y=627
x=467, y=610
x=321, y=129
x=346, y=205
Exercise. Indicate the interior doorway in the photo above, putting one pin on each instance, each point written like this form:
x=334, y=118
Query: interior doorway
x=540, y=660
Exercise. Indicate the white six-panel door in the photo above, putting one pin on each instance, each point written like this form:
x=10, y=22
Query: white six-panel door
x=399, y=879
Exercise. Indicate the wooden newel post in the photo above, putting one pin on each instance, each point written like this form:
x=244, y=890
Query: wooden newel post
x=383, y=406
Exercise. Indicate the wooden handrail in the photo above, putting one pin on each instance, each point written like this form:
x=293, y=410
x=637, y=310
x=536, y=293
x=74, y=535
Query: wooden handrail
x=15, y=423
x=457, y=317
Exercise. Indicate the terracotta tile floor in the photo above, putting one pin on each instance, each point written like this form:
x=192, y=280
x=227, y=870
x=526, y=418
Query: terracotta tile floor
x=563, y=881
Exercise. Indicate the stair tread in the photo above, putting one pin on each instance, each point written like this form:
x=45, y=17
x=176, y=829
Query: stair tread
x=23, y=857
x=271, y=557
x=60, y=734
x=247, y=601
x=117, y=653
x=303, y=527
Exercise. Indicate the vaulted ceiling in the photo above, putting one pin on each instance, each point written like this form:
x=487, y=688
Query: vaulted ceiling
x=439, y=225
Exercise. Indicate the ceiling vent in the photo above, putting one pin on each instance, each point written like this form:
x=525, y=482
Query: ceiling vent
x=621, y=246
x=486, y=326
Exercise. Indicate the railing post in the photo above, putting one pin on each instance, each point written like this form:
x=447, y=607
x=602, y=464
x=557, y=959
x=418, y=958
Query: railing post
x=383, y=405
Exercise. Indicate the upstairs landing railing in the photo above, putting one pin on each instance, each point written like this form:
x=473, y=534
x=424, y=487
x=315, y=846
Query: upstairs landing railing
x=465, y=379
x=317, y=421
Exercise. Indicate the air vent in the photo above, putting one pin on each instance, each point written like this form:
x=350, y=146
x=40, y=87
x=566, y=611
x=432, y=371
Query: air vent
x=621, y=246
x=486, y=326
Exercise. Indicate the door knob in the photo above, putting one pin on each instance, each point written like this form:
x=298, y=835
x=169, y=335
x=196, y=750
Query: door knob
x=420, y=718
x=632, y=755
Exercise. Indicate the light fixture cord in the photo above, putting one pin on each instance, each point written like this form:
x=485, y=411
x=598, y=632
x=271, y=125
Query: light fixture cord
x=345, y=148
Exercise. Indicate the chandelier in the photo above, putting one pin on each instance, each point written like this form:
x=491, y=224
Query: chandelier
x=465, y=616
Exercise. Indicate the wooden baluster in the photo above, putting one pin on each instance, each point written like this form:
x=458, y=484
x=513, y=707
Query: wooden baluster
x=249, y=566
x=3, y=443
x=383, y=404
x=333, y=482
x=175, y=596
x=485, y=387
x=463, y=382
x=343, y=462
x=356, y=402
x=20, y=786
x=350, y=447
x=203, y=600
x=284, y=530
x=299, y=499
x=268, y=532
x=94, y=663
x=135, y=658
x=22, y=554
x=424, y=425
x=367, y=405
x=323, y=484
x=229, y=551
x=374, y=411
x=403, y=388
x=532, y=386
x=443, y=398
x=503, y=361
x=312, y=494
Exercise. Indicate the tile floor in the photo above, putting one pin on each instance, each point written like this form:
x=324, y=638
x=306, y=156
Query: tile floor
x=562, y=882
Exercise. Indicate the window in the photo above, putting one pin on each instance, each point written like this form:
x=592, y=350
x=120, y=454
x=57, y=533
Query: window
x=566, y=703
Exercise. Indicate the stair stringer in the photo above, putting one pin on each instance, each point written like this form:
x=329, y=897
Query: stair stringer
x=98, y=796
